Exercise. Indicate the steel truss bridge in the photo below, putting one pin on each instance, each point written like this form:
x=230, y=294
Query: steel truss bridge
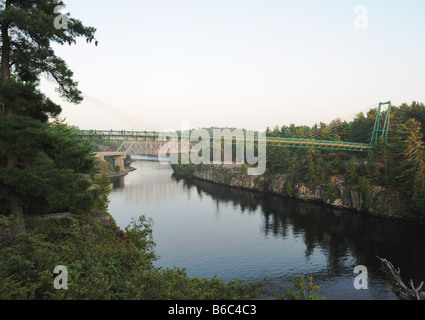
x=149, y=142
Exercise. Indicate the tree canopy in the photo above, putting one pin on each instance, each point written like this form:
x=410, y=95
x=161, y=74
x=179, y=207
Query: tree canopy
x=39, y=162
x=397, y=164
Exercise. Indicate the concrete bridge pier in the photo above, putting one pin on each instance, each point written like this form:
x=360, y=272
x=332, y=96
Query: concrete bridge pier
x=118, y=157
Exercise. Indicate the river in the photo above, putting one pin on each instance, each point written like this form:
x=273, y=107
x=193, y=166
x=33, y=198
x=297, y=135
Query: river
x=213, y=230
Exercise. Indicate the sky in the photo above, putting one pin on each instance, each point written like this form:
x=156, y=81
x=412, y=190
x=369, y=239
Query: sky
x=241, y=63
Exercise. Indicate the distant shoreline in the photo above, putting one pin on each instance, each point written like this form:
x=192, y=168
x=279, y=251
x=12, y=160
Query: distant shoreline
x=121, y=173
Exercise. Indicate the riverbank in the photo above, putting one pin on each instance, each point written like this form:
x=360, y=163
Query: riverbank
x=335, y=192
x=121, y=173
x=102, y=261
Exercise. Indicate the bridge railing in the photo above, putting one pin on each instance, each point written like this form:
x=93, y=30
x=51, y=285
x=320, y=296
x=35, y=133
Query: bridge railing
x=113, y=134
x=319, y=144
x=123, y=135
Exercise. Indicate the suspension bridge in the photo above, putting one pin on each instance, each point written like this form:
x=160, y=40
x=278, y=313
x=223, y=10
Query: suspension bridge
x=150, y=142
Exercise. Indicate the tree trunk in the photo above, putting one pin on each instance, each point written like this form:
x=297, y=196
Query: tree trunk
x=5, y=52
x=16, y=207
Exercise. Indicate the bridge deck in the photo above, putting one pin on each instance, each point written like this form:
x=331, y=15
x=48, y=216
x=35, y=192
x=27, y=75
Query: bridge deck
x=101, y=135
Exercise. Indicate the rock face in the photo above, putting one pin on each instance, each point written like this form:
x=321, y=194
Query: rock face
x=335, y=192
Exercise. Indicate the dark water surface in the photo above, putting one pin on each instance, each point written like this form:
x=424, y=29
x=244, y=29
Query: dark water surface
x=235, y=234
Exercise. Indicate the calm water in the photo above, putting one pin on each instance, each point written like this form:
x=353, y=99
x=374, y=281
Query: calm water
x=215, y=230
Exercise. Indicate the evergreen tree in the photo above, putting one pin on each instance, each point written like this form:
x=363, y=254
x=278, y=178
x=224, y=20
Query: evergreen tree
x=352, y=176
x=294, y=169
x=51, y=170
x=314, y=168
x=379, y=162
x=27, y=32
x=277, y=159
x=336, y=163
x=320, y=168
x=416, y=111
x=408, y=146
x=325, y=132
x=361, y=127
x=341, y=129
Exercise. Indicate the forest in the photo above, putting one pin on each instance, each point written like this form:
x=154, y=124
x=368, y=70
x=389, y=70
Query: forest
x=395, y=164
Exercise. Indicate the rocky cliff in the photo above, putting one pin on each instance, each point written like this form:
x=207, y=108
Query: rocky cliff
x=335, y=192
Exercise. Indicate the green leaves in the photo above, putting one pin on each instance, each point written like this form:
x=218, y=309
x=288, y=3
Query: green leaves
x=103, y=263
x=314, y=168
x=27, y=100
x=304, y=290
x=395, y=164
x=28, y=31
x=39, y=164
x=50, y=171
x=277, y=159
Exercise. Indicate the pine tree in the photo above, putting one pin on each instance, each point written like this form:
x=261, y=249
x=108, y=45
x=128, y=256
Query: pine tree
x=51, y=168
x=277, y=159
x=27, y=32
x=294, y=169
x=320, y=169
x=314, y=168
x=352, y=176
x=408, y=146
x=336, y=163
x=379, y=163
x=360, y=129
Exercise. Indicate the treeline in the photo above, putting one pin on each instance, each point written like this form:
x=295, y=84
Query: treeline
x=358, y=130
x=396, y=164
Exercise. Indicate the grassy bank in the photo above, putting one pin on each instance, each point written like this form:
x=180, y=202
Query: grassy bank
x=103, y=262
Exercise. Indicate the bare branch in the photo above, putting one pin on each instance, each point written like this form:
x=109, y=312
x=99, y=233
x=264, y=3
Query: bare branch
x=398, y=286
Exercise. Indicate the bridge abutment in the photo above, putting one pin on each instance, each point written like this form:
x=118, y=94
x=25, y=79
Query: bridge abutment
x=118, y=157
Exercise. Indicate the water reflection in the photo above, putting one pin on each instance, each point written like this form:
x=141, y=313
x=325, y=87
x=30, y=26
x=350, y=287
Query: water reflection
x=337, y=233
x=156, y=185
x=118, y=182
x=216, y=230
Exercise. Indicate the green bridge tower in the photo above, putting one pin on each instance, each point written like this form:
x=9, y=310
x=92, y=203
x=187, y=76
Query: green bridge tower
x=377, y=130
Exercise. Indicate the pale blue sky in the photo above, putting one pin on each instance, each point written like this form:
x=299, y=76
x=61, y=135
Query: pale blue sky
x=239, y=63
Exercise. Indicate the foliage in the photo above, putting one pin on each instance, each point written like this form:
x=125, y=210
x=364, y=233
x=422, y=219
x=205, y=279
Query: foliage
x=140, y=233
x=314, y=168
x=331, y=193
x=397, y=164
x=38, y=165
x=361, y=127
x=365, y=188
x=28, y=32
x=304, y=290
x=351, y=172
x=101, y=189
x=277, y=159
x=294, y=169
x=103, y=262
x=184, y=169
x=53, y=170
x=336, y=163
